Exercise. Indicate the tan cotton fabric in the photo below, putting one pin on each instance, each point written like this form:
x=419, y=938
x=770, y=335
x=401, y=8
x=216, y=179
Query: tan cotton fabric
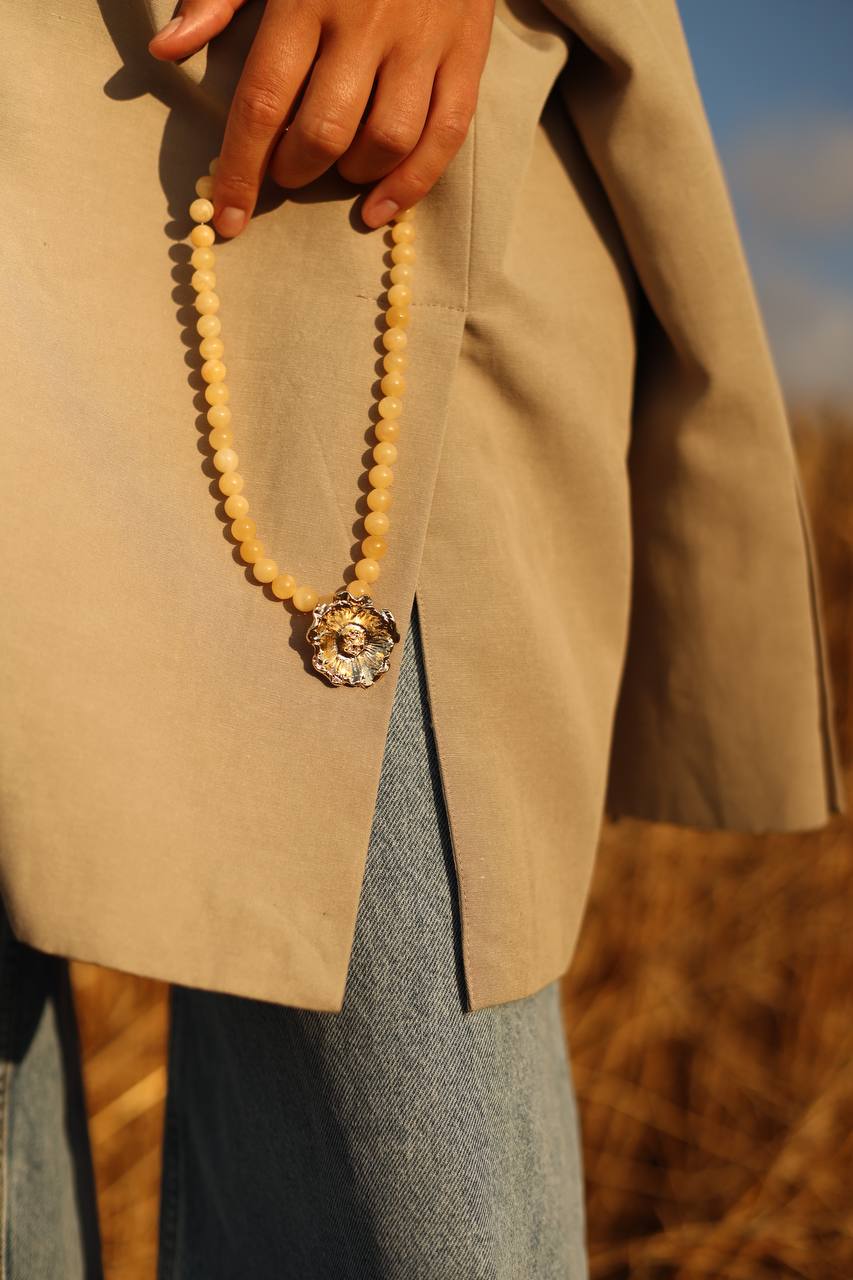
x=596, y=502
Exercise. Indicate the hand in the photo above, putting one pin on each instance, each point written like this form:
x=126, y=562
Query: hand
x=384, y=89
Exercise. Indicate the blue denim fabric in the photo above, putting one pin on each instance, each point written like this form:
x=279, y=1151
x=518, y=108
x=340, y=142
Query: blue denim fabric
x=47, y=1210
x=403, y=1138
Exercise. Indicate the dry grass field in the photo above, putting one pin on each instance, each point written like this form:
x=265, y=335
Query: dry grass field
x=710, y=1019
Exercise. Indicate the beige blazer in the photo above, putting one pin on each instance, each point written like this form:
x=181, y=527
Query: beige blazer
x=596, y=502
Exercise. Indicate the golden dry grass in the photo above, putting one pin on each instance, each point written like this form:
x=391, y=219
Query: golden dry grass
x=710, y=1013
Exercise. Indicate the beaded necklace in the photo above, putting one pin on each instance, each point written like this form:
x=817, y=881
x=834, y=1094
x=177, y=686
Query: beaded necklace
x=352, y=639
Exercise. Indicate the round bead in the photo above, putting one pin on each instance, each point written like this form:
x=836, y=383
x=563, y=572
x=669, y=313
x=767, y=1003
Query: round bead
x=211, y=168
x=283, y=586
x=265, y=569
x=202, y=236
x=398, y=316
x=387, y=429
x=201, y=210
x=358, y=588
x=401, y=273
x=405, y=215
x=379, y=499
x=404, y=253
x=236, y=506
x=220, y=438
x=231, y=482
x=217, y=393
x=403, y=233
x=213, y=371
x=377, y=522
x=219, y=415
x=395, y=361
x=374, y=547
x=204, y=187
x=202, y=280
x=207, y=302
x=390, y=407
x=244, y=528
x=209, y=326
x=399, y=295
x=392, y=339
x=205, y=260
x=251, y=550
x=367, y=569
x=385, y=452
x=225, y=460
x=393, y=384
x=211, y=348
x=304, y=599
x=380, y=476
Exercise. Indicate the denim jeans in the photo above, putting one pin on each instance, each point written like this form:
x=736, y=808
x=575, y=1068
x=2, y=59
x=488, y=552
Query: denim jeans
x=402, y=1138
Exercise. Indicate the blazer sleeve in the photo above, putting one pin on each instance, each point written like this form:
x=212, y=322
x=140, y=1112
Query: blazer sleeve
x=725, y=712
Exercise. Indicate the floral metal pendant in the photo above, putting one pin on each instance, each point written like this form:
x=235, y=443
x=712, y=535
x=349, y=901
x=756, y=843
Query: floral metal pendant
x=352, y=639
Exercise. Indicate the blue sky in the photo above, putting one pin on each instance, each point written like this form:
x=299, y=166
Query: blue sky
x=777, y=80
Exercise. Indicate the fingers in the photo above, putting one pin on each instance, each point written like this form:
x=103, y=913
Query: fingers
x=452, y=106
x=329, y=113
x=275, y=71
x=197, y=22
x=396, y=119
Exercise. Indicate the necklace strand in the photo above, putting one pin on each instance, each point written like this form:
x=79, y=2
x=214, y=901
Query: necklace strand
x=351, y=638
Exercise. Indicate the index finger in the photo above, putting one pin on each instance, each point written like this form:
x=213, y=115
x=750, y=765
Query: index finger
x=278, y=64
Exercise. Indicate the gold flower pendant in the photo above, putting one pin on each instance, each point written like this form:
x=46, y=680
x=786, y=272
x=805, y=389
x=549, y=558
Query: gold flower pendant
x=352, y=639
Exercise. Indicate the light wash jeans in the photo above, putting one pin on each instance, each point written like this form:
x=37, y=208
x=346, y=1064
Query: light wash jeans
x=402, y=1138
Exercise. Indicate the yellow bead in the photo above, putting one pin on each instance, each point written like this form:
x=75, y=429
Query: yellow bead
x=403, y=233
x=209, y=326
x=358, y=588
x=231, y=482
x=405, y=215
x=404, y=253
x=214, y=371
x=395, y=361
x=225, y=460
x=220, y=438
x=374, y=547
x=236, y=506
x=207, y=302
x=217, y=393
x=203, y=236
x=394, y=339
x=201, y=210
x=377, y=522
x=211, y=348
x=399, y=295
x=390, y=407
x=251, y=550
x=204, y=187
x=219, y=415
x=265, y=569
x=401, y=273
x=205, y=260
x=398, y=316
x=244, y=529
x=379, y=499
x=283, y=586
x=211, y=168
x=387, y=429
x=304, y=598
x=380, y=476
x=367, y=570
x=385, y=452
x=393, y=384
x=202, y=280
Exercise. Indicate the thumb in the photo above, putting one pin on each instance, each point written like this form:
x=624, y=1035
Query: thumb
x=197, y=22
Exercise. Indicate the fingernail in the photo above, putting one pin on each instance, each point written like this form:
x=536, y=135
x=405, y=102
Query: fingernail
x=170, y=28
x=230, y=221
x=381, y=212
